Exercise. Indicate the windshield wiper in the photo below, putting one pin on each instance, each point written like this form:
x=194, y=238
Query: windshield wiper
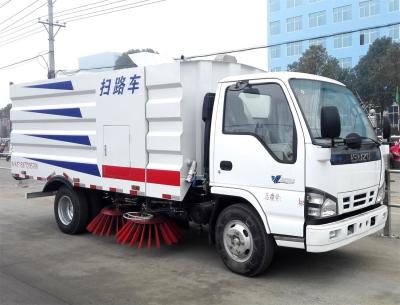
x=373, y=140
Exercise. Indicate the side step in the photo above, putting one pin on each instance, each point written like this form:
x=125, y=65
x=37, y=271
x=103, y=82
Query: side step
x=39, y=194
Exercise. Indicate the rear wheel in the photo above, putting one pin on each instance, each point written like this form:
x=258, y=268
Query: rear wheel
x=71, y=210
x=242, y=242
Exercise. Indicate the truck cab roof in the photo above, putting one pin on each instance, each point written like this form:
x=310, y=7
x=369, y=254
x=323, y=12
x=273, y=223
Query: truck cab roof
x=279, y=75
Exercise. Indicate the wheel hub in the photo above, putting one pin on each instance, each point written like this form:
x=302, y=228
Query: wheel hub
x=238, y=241
x=65, y=210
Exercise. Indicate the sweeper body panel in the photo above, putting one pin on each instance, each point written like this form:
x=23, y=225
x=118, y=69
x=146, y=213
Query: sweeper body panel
x=133, y=131
x=264, y=159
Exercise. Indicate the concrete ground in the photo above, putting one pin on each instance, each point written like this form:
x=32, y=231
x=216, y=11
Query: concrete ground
x=40, y=265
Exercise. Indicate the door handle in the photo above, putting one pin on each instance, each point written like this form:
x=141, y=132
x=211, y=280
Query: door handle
x=225, y=165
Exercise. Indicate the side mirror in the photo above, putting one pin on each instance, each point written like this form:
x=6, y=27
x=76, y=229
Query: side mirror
x=386, y=128
x=330, y=122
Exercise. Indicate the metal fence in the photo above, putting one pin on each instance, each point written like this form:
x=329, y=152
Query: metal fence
x=387, y=231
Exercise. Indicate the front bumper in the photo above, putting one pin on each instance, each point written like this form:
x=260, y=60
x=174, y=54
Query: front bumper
x=326, y=237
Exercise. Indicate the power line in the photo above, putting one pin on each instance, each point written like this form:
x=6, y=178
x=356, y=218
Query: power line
x=5, y=3
x=12, y=33
x=22, y=61
x=74, y=8
x=30, y=23
x=21, y=37
x=291, y=41
x=23, y=17
x=22, y=24
x=19, y=12
x=59, y=14
x=94, y=14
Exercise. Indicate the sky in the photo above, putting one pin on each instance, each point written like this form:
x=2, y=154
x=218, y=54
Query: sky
x=171, y=27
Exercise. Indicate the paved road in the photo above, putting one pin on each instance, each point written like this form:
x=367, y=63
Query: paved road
x=40, y=265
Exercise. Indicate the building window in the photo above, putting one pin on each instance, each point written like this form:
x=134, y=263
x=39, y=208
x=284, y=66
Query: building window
x=274, y=5
x=293, y=24
x=293, y=49
x=369, y=8
x=394, y=5
x=368, y=37
x=342, y=41
x=317, y=42
x=276, y=69
x=394, y=32
x=275, y=27
x=317, y=19
x=345, y=63
x=342, y=13
x=313, y=1
x=293, y=3
x=275, y=52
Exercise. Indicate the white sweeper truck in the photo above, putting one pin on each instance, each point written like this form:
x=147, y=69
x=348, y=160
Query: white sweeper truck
x=263, y=159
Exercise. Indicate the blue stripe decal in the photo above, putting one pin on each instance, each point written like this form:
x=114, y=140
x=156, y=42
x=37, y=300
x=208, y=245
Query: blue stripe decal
x=67, y=85
x=84, y=140
x=91, y=169
x=72, y=112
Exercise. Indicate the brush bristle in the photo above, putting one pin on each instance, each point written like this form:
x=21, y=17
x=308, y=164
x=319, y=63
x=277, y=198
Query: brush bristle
x=145, y=234
x=105, y=224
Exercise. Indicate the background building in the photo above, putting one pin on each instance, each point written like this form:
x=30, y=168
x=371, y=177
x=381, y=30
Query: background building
x=291, y=20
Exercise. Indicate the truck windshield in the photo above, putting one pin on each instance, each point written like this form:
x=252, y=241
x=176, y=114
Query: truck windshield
x=313, y=95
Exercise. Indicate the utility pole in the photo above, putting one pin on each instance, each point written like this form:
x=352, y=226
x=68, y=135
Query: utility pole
x=49, y=25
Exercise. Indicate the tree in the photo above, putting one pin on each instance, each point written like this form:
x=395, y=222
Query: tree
x=316, y=60
x=5, y=112
x=124, y=61
x=378, y=74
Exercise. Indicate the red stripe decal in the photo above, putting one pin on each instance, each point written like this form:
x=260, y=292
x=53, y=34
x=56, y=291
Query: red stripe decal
x=155, y=176
x=123, y=173
x=166, y=177
x=166, y=196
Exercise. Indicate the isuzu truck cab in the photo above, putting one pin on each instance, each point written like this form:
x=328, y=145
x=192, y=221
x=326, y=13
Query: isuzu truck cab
x=264, y=159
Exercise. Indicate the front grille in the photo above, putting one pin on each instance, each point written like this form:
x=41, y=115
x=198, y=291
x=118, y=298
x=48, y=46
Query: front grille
x=352, y=201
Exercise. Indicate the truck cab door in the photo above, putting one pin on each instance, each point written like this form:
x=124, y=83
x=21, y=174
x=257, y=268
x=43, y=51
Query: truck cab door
x=258, y=147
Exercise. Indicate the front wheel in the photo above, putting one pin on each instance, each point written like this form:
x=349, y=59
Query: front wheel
x=71, y=210
x=241, y=240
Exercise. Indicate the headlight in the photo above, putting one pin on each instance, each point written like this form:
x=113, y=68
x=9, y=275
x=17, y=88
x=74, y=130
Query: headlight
x=319, y=205
x=381, y=194
x=328, y=208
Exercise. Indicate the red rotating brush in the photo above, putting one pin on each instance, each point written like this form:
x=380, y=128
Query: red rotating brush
x=143, y=228
x=109, y=221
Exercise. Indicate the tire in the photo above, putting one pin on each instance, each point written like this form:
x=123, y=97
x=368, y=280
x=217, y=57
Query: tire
x=252, y=248
x=71, y=210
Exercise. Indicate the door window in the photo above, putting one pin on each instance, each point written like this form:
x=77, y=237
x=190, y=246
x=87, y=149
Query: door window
x=262, y=111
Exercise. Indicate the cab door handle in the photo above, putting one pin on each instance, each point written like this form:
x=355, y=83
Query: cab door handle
x=226, y=165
